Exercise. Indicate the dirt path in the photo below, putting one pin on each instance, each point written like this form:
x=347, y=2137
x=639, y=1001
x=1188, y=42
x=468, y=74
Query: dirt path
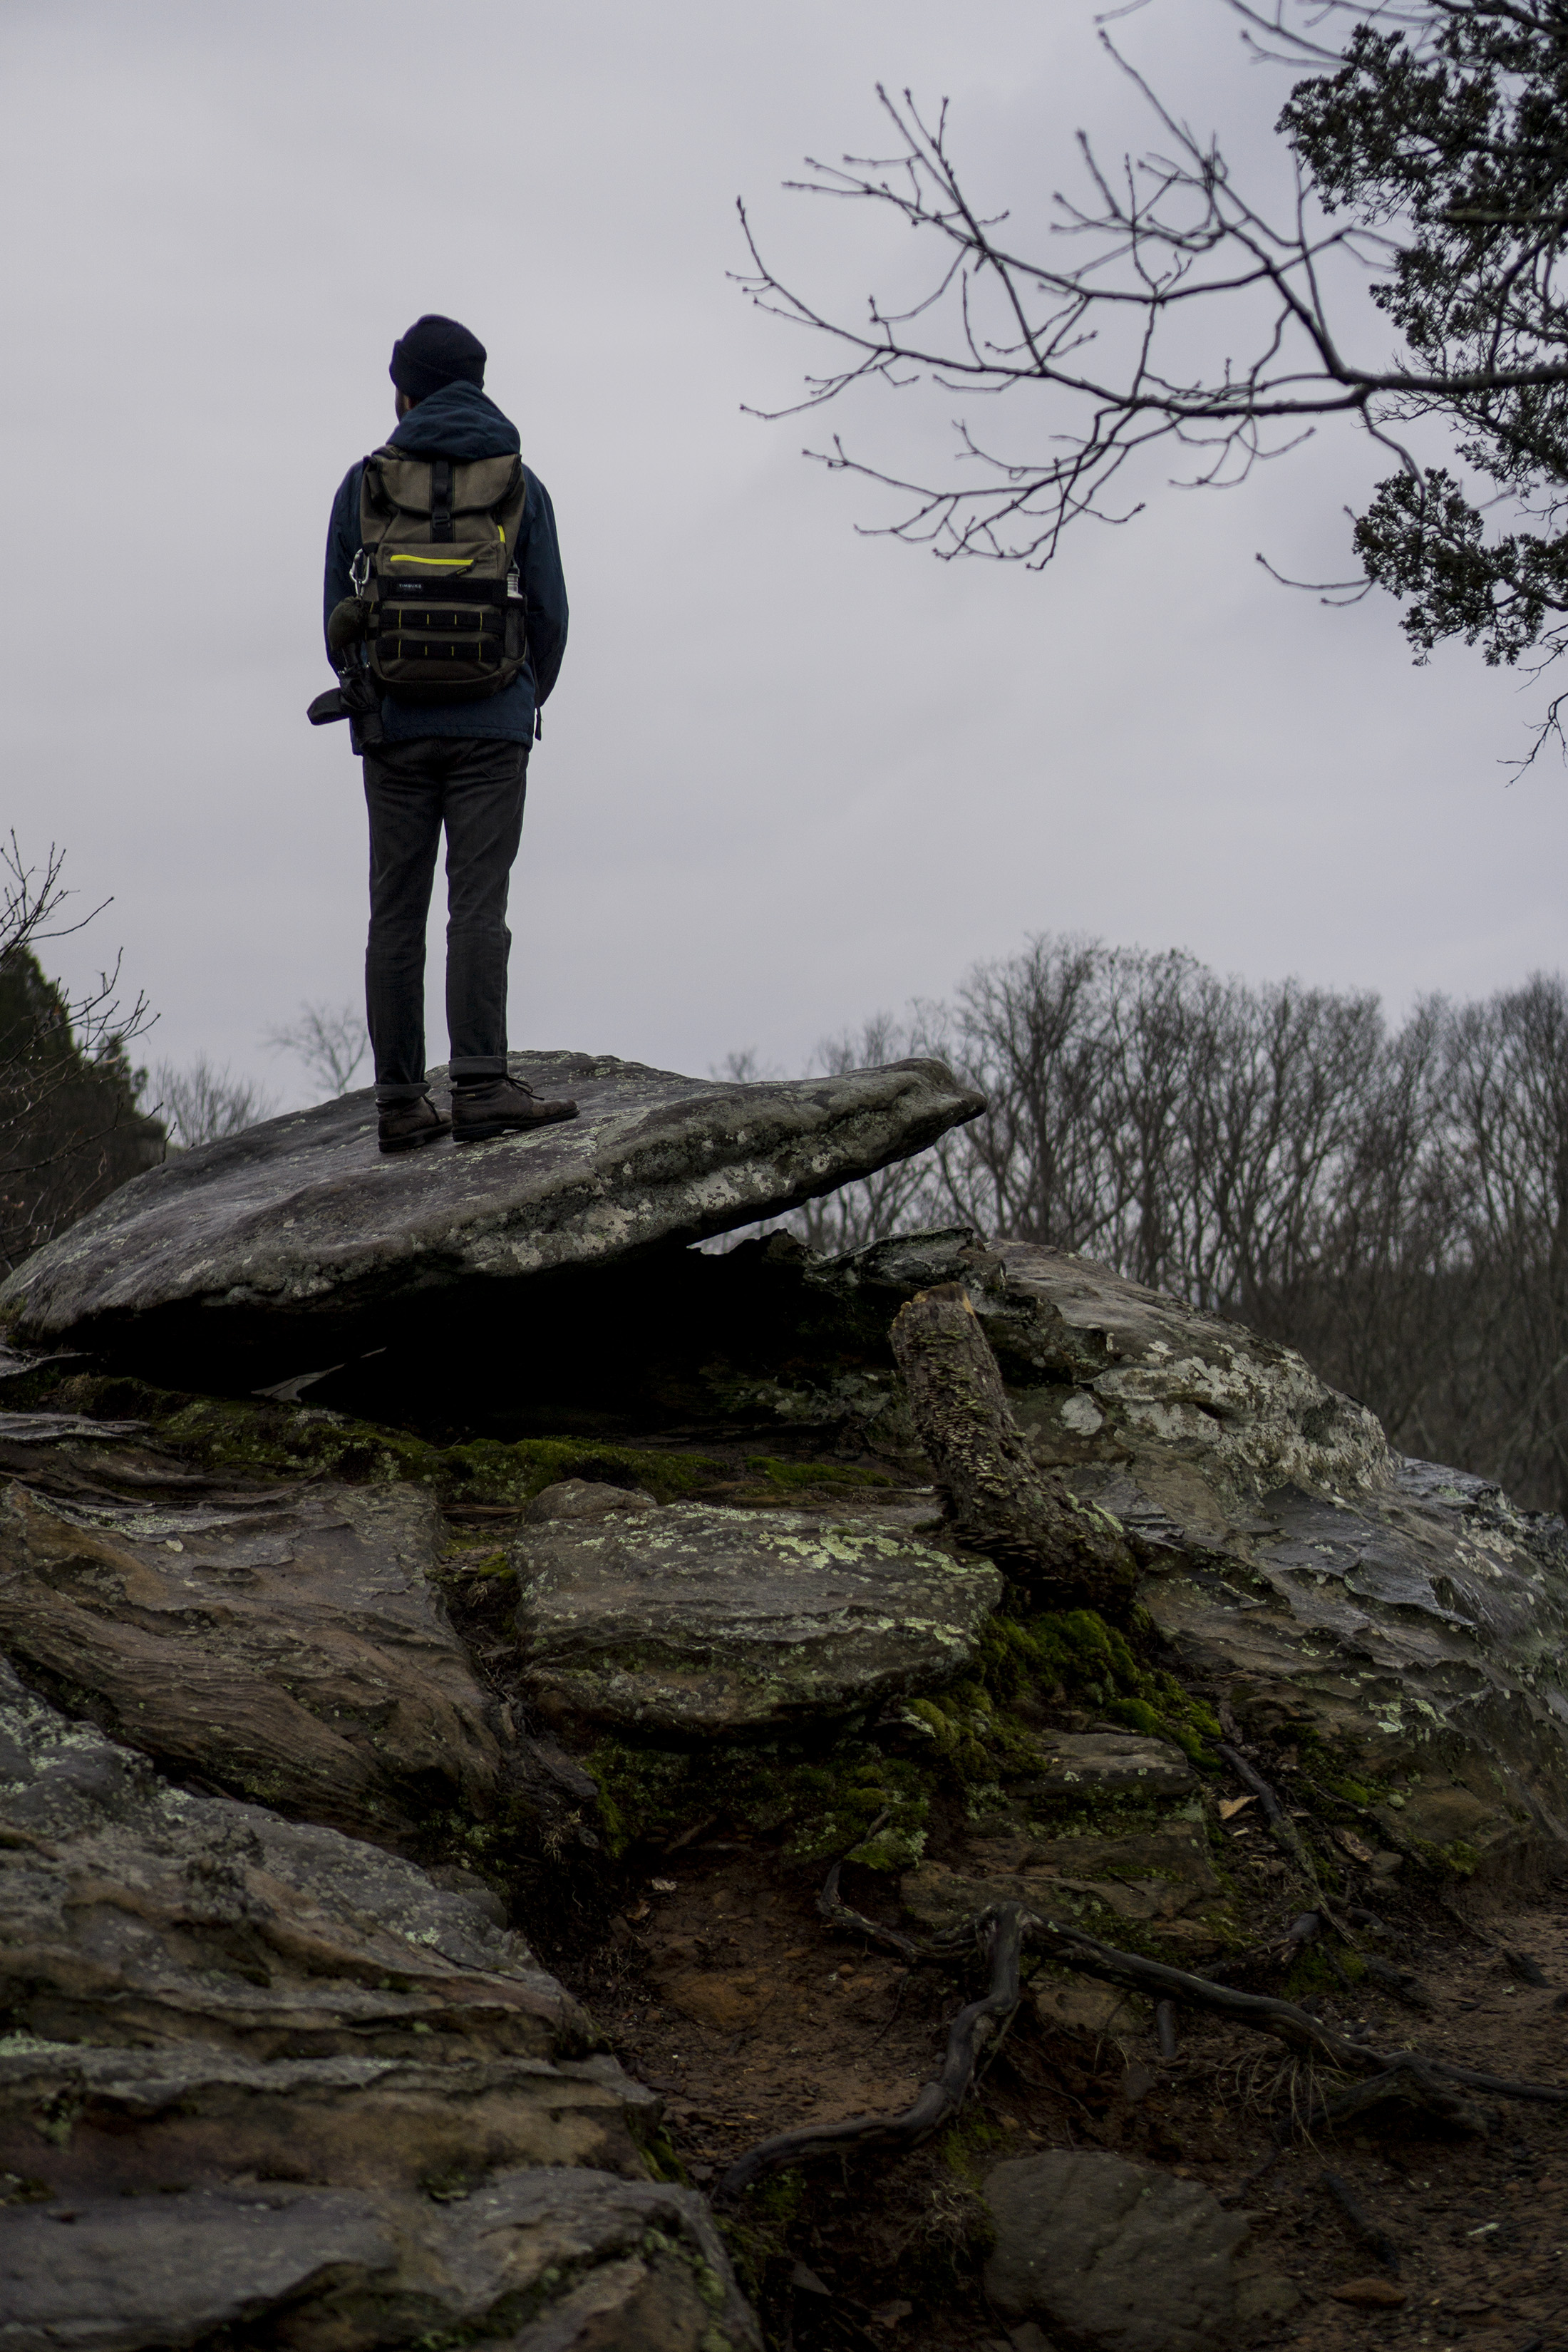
x=722, y=1987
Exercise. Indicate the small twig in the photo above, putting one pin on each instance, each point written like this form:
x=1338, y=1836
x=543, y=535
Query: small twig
x=1165, y=2027
x=839, y=1914
x=1400, y=1982
x=1378, y=2244
x=686, y=1836
x=1281, y=1828
x=1479, y=1935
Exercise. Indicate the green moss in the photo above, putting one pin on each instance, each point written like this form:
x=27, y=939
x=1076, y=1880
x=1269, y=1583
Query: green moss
x=820, y=1804
x=472, y=1559
x=759, y=2233
x=659, y=2155
x=1073, y=1653
x=262, y=1438
x=486, y=1470
x=1458, y=1859
x=968, y=2149
x=890, y=1850
x=789, y=1477
x=1312, y=1972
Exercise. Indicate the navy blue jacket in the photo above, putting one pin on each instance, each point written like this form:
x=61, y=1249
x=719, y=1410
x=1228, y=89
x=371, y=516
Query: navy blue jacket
x=460, y=422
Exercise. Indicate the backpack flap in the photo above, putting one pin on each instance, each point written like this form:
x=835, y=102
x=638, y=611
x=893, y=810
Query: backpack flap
x=440, y=535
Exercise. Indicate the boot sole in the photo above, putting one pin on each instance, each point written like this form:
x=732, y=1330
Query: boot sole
x=414, y=1142
x=504, y=1127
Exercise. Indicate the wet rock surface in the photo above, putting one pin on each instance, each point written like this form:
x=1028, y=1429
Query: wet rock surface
x=688, y=1618
x=1161, y=1876
x=330, y=2069
x=541, y=2261
x=135, y=1911
x=286, y=1644
x=299, y=1224
x=1417, y=1628
x=1124, y=2256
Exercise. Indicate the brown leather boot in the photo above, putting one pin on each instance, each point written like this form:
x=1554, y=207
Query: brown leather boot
x=501, y=1107
x=404, y=1125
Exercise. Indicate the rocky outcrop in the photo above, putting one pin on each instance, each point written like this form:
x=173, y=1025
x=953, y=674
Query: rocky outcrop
x=1404, y=1618
x=285, y=1643
x=1101, y=1368
x=1419, y=1630
x=370, y=2115
x=359, y=2098
x=297, y=1234
x=686, y=1618
x=136, y=1913
x=1123, y=2257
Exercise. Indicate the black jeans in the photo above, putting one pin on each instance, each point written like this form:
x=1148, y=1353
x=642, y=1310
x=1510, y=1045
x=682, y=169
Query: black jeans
x=475, y=788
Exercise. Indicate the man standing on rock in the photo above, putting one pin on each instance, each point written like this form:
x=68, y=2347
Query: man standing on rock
x=445, y=613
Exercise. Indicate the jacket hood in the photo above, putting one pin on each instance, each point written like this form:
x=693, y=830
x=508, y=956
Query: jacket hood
x=459, y=421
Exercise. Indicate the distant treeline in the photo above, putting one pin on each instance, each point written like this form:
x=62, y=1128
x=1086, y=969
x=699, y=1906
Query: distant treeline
x=1392, y=1202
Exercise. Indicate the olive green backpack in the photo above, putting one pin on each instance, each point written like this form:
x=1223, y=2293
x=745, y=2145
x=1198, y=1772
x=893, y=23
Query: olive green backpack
x=436, y=574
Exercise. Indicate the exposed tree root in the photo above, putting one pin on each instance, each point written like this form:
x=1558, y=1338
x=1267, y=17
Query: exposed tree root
x=1003, y=1931
x=941, y=2096
x=1415, y=2082
x=1295, y=2027
x=1001, y=1500
x=839, y=1914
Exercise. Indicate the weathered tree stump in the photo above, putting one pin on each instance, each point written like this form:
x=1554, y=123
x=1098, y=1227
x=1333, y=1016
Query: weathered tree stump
x=1003, y=1503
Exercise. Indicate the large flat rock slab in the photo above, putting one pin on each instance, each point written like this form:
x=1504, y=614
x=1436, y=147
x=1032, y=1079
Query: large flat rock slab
x=300, y=1223
x=113, y=2121
x=688, y=1618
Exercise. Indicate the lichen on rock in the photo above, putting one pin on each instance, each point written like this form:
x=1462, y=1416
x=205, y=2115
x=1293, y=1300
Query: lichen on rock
x=697, y=1619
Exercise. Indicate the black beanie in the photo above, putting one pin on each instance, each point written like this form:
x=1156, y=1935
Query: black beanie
x=435, y=351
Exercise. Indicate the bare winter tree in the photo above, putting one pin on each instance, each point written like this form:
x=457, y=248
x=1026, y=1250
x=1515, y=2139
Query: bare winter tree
x=201, y=1103
x=1392, y=1202
x=894, y=1197
x=1426, y=164
x=745, y=1068
x=330, y=1040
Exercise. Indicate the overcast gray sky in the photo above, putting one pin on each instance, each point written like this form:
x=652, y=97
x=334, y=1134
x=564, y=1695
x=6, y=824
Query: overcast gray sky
x=790, y=774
